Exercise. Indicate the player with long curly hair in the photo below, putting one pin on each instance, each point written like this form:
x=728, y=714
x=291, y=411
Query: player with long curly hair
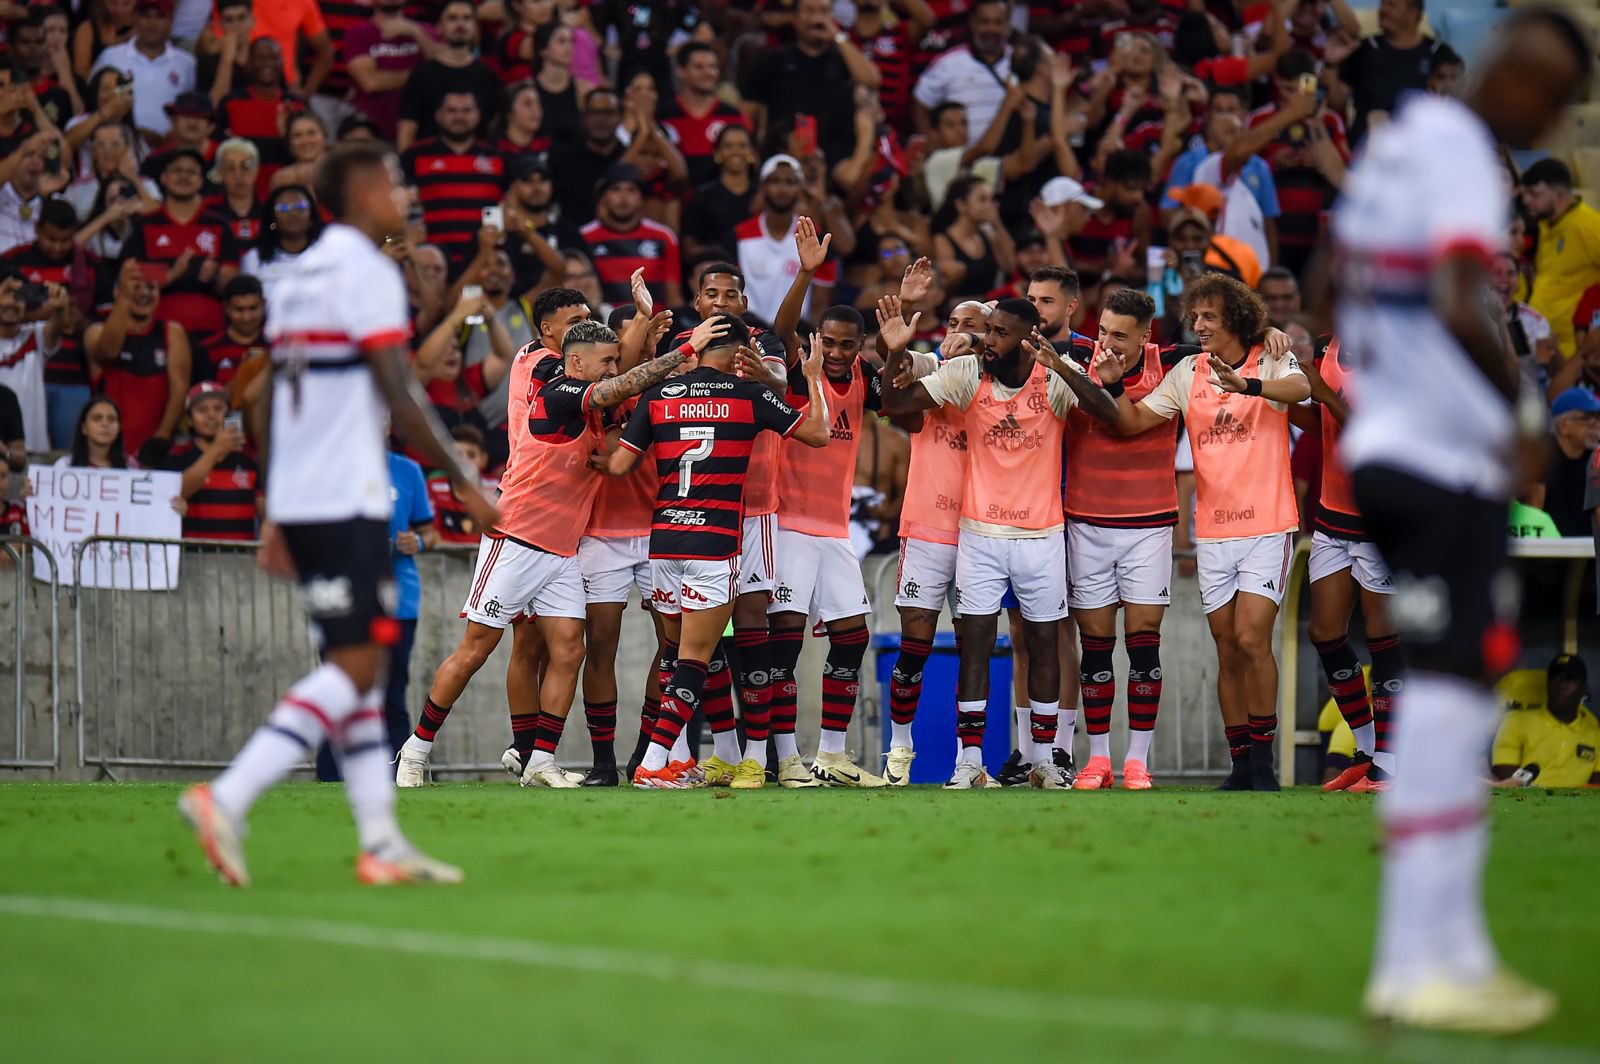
x=1245, y=507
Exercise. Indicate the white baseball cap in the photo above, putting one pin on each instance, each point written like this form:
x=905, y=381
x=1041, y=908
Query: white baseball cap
x=780, y=160
x=1060, y=190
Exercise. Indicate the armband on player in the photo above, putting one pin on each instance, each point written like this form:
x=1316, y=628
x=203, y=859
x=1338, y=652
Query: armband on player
x=1252, y=386
x=686, y=349
x=1114, y=389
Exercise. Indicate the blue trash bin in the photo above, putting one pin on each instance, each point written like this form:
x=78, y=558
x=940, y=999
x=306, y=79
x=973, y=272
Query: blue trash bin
x=934, y=730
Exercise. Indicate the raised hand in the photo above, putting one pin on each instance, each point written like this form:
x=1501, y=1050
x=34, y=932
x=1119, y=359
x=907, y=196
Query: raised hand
x=1107, y=366
x=811, y=360
x=895, y=330
x=1050, y=221
x=659, y=325
x=711, y=329
x=748, y=364
x=641, y=293
x=1227, y=378
x=916, y=281
x=813, y=252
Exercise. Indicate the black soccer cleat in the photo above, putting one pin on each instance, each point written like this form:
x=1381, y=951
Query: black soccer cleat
x=639, y=750
x=1063, y=761
x=1014, y=773
x=1263, y=773
x=604, y=775
x=1239, y=779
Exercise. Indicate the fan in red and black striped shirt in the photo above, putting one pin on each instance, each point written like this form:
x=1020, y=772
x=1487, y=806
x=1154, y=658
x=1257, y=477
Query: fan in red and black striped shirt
x=456, y=176
x=221, y=484
x=219, y=356
x=696, y=116
x=55, y=258
x=621, y=239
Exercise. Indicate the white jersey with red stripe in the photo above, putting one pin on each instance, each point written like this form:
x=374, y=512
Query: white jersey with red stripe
x=1428, y=186
x=340, y=300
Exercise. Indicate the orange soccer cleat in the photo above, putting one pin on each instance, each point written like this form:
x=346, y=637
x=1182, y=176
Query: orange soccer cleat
x=668, y=778
x=1095, y=776
x=1135, y=777
x=1368, y=785
x=1351, y=776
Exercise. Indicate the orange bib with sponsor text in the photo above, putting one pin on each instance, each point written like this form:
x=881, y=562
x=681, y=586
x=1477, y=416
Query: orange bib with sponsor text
x=1122, y=481
x=1014, y=457
x=1338, y=512
x=1243, y=485
x=625, y=506
x=937, y=477
x=814, y=482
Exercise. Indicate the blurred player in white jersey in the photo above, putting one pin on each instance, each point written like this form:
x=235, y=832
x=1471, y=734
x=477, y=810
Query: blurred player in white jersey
x=339, y=360
x=1432, y=445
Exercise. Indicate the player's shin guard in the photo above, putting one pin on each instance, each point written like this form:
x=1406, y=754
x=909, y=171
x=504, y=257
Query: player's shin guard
x=1144, y=691
x=784, y=647
x=905, y=687
x=841, y=683
x=755, y=689
x=1388, y=681
x=680, y=697
x=305, y=716
x=363, y=751
x=970, y=720
x=1349, y=689
x=1099, y=684
x=717, y=700
x=601, y=720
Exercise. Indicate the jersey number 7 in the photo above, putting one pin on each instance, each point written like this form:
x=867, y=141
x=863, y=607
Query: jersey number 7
x=700, y=451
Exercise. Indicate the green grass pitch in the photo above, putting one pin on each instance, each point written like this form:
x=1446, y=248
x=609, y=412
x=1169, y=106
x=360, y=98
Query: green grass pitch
x=915, y=925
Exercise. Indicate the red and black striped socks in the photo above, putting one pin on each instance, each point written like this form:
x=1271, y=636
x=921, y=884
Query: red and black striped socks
x=841, y=683
x=1388, y=680
x=601, y=720
x=433, y=717
x=1144, y=691
x=905, y=688
x=754, y=680
x=1349, y=689
x=680, y=697
x=1098, y=682
x=547, y=732
x=717, y=700
x=783, y=646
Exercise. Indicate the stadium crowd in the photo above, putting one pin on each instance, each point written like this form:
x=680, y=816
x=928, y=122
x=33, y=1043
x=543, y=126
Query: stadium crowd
x=1096, y=188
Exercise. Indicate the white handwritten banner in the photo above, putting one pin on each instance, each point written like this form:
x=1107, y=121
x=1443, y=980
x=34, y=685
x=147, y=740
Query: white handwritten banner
x=70, y=504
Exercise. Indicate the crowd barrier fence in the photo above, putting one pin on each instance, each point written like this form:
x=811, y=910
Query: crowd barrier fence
x=177, y=680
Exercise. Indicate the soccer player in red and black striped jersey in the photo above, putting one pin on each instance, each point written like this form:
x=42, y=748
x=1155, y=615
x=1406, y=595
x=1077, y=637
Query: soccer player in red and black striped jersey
x=703, y=426
x=457, y=175
x=220, y=481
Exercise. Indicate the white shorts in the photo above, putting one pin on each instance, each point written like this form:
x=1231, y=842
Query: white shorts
x=611, y=567
x=1330, y=555
x=1106, y=566
x=511, y=582
x=692, y=584
x=818, y=576
x=757, y=560
x=1259, y=565
x=1035, y=569
x=927, y=573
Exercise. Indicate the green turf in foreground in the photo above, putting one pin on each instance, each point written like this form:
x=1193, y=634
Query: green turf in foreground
x=893, y=926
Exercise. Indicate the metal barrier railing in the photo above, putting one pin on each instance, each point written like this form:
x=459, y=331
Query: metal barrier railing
x=179, y=678
x=22, y=553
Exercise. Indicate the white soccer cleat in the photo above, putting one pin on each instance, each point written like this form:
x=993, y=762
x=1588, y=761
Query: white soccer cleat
x=1049, y=776
x=837, y=770
x=217, y=834
x=897, y=766
x=970, y=777
x=1505, y=1003
x=793, y=774
x=512, y=761
x=411, y=767
x=542, y=771
x=404, y=864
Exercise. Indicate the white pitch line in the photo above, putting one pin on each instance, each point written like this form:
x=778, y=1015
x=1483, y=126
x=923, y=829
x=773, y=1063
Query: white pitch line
x=1280, y=1030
